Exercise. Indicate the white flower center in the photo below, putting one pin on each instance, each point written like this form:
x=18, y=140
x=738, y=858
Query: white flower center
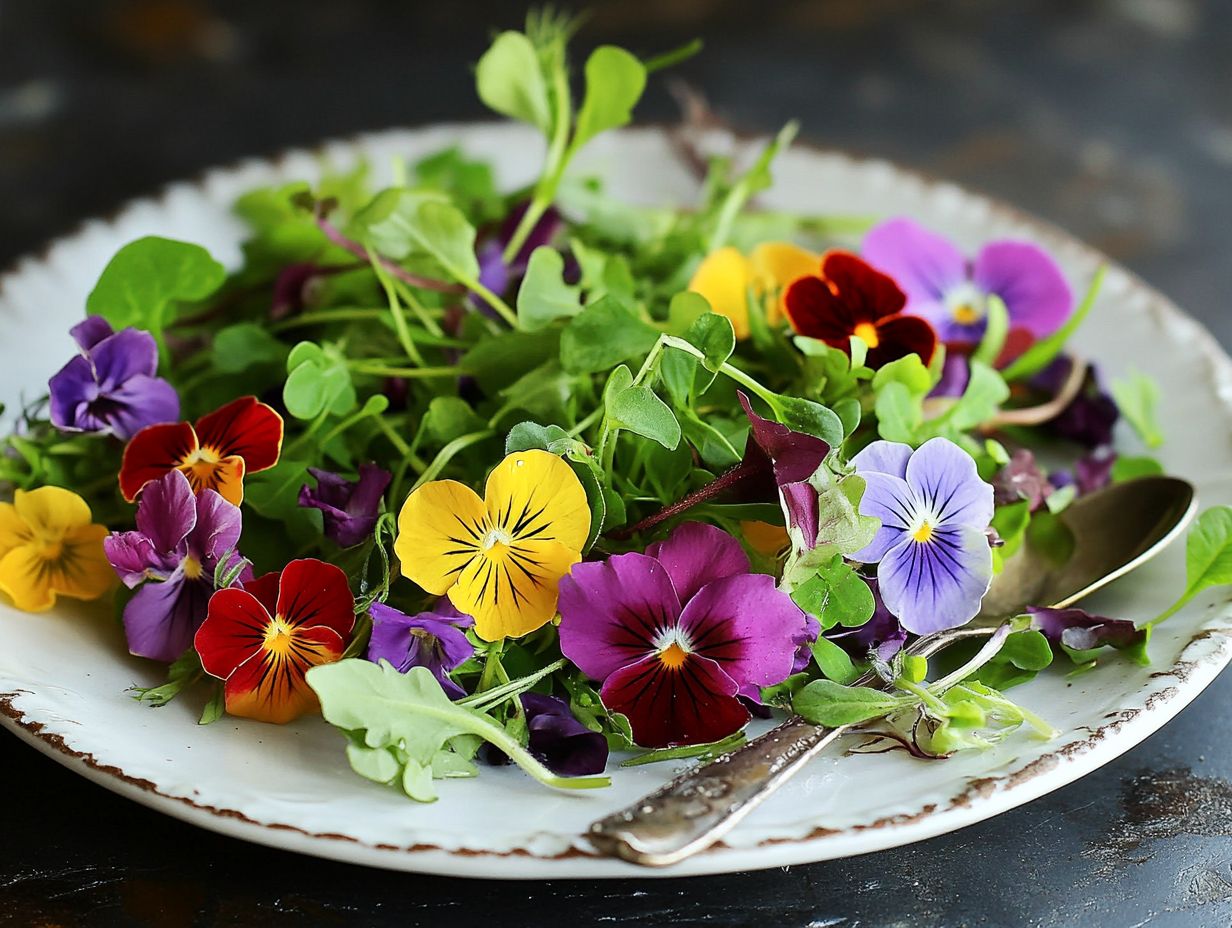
x=967, y=304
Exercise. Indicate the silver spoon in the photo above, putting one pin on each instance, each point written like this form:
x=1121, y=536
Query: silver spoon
x=1115, y=530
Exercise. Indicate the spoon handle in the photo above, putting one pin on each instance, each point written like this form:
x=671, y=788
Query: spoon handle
x=701, y=805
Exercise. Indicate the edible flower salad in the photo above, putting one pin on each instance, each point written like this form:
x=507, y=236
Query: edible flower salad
x=489, y=476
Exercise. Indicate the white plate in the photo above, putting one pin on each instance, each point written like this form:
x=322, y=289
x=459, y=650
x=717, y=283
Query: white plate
x=63, y=675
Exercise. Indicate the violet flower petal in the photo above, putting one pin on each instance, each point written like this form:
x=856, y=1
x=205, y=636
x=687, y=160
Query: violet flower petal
x=425, y=640
x=611, y=612
x=162, y=617
x=695, y=554
x=1021, y=479
x=135, y=559
x=747, y=626
x=559, y=741
x=791, y=456
x=944, y=480
x=1036, y=293
x=802, y=508
x=891, y=500
x=938, y=584
x=925, y=265
x=883, y=457
x=167, y=511
x=124, y=355
x=1081, y=631
x=90, y=331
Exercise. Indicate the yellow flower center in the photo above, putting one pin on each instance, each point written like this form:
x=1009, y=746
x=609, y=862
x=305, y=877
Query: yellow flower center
x=279, y=635
x=924, y=533
x=867, y=333
x=673, y=656
x=192, y=568
x=51, y=549
x=966, y=314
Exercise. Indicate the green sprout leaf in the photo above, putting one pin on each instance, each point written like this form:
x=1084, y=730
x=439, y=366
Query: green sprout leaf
x=1208, y=557
x=543, y=295
x=614, y=83
x=824, y=702
x=1042, y=353
x=144, y=281
x=602, y=335
x=1137, y=396
x=510, y=81
x=638, y=409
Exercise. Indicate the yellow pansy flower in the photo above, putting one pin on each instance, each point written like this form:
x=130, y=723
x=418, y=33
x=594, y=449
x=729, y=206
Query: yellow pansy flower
x=764, y=538
x=725, y=276
x=49, y=548
x=499, y=558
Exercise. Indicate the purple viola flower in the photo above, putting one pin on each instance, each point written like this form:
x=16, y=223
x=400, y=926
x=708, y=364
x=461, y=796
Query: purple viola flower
x=951, y=292
x=931, y=551
x=955, y=375
x=1093, y=471
x=882, y=635
x=1090, y=418
x=678, y=634
x=1021, y=479
x=1081, y=631
x=111, y=386
x=494, y=273
x=350, y=507
x=430, y=639
x=170, y=560
x=562, y=743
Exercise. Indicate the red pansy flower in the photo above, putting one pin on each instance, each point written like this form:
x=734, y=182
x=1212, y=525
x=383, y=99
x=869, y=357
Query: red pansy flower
x=851, y=298
x=262, y=638
x=245, y=436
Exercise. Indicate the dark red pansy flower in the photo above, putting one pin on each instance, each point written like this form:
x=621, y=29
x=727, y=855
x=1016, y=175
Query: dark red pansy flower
x=850, y=298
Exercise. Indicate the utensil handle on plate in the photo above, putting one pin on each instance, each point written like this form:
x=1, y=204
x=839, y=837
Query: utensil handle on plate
x=701, y=805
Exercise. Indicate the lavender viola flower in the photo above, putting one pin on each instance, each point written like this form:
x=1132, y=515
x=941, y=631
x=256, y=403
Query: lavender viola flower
x=951, y=292
x=678, y=634
x=111, y=386
x=429, y=639
x=350, y=507
x=170, y=560
x=934, y=564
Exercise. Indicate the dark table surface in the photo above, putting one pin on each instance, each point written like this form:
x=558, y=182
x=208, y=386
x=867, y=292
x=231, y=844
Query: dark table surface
x=1112, y=119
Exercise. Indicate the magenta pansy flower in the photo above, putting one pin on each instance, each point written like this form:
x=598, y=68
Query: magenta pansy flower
x=932, y=555
x=429, y=639
x=678, y=633
x=951, y=291
x=111, y=386
x=350, y=507
x=170, y=559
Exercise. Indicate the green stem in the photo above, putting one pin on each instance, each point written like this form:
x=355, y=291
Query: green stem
x=309, y=432
x=323, y=316
x=486, y=700
x=553, y=168
x=586, y=423
x=395, y=310
x=501, y=307
x=446, y=454
x=425, y=318
x=383, y=370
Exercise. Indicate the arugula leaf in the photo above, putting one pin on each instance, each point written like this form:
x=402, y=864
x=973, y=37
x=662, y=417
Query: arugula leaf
x=409, y=717
x=274, y=493
x=146, y=278
x=543, y=295
x=614, y=83
x=510, y=81
x=1137, y=397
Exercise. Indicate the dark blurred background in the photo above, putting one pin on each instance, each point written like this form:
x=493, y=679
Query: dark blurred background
x=1112, y=118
